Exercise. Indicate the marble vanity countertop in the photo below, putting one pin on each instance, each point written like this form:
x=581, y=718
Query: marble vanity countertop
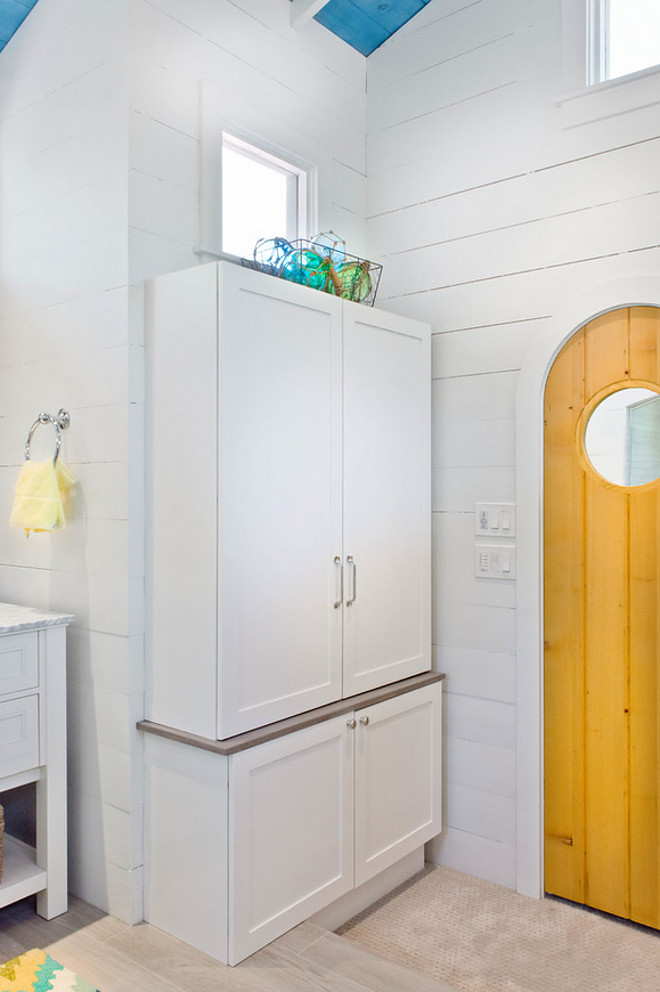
x=13, y=618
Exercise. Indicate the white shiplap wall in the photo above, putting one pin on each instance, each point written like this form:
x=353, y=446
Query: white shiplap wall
x=64, y=343
x=491, y=201
x=303, y=91
x=99, y=190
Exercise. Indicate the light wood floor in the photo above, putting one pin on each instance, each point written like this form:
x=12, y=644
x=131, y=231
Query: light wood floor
x=117, y=958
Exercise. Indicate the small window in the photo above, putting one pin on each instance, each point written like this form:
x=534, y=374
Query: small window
x=622, y=437
x=625, y=37
x=263, y=196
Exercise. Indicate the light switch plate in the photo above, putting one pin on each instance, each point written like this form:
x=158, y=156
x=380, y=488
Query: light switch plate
x=495, y=519
x=495, y=561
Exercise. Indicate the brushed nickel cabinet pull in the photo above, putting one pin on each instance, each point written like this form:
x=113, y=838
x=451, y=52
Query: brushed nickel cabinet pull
x=337, y=603
x=350, y=560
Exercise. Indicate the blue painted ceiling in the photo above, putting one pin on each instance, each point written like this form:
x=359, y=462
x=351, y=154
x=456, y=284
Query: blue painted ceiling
x=363, y=24
x=366, y=24
x=12, y=15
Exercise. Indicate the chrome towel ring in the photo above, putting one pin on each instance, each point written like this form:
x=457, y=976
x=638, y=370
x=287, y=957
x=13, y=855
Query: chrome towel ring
x=59, y=422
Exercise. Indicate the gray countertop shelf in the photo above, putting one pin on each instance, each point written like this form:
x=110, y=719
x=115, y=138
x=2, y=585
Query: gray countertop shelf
x=252, y=738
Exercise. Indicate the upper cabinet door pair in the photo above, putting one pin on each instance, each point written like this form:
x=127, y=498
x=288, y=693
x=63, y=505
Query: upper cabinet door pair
x=314, y=458
x=324, y=499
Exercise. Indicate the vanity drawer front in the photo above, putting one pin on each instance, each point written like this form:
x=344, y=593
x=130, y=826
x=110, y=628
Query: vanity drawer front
x=19, y=662
x=19, y=734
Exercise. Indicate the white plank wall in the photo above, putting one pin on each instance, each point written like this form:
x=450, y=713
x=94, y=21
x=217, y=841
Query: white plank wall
x=64, y=342
x=489, y=195
x=99, y=163
x=301, y=90
x=492, y=198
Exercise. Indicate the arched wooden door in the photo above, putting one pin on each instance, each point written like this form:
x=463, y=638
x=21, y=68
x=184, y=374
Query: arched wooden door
x=602, y=638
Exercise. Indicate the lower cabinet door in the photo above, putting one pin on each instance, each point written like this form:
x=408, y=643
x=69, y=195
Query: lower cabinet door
x=290, y=833
x=397, y=779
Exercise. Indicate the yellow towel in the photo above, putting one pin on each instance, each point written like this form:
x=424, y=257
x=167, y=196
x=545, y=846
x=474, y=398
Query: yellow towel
x=41, y=493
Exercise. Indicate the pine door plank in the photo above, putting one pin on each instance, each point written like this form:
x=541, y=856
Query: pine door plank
x=606, y=646
x=606, y=728
x=643, y=743
x=607, y=351
x=564, y=593
x=644, y=337
x=644, y=529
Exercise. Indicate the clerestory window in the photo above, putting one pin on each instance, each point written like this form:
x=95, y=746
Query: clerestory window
x=263, y=195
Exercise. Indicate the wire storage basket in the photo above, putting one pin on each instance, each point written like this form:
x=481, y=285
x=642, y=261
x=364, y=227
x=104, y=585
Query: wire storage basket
x=329, y=270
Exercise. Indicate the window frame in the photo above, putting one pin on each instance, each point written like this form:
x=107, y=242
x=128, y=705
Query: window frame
x=582, y=101
x=296, y=182
x=598, y=47
x=214, y=130
x=597, y=42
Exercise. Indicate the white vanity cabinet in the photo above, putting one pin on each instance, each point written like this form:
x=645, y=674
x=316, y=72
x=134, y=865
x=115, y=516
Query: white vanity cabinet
x=33, y=750
x=288, y=499
x=243, y=846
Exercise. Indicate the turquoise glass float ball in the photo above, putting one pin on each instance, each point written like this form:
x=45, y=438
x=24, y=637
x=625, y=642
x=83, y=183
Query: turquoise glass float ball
x=306, y=267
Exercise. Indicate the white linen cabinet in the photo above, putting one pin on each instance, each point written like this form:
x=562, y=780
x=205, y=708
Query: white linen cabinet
x=288, y=499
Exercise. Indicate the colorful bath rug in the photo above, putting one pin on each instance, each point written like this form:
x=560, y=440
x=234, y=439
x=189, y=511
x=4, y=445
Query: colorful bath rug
x=36, y=971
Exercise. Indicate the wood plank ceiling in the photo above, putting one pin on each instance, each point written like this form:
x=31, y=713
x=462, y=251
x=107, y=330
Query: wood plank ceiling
x=363, y=24
x=12, y=15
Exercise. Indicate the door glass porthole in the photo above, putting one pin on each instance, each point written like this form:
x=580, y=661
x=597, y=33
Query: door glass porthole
x=622, y=437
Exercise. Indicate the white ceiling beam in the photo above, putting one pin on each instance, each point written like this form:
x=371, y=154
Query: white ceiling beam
x=303, y=11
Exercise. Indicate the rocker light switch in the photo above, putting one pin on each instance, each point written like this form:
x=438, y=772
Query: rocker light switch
x=495, y=519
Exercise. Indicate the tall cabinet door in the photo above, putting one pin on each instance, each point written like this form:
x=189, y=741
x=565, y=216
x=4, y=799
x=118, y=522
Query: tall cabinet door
x=279, y=495
x=387, y=501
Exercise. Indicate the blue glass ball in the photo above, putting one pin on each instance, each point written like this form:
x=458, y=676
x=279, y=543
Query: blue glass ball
x=331, y=246
x=271, y=252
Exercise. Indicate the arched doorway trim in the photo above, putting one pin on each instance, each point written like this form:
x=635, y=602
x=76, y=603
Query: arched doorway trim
x=632, y=289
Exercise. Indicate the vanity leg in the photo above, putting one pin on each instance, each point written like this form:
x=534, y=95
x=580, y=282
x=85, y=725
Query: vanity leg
x=51, y=813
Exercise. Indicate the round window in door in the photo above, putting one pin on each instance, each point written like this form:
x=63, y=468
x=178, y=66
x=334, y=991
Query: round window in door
x=622, y=436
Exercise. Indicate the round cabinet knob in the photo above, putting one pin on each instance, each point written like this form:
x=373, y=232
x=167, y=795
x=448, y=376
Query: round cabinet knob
x=364, y=720
x=351, y=724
